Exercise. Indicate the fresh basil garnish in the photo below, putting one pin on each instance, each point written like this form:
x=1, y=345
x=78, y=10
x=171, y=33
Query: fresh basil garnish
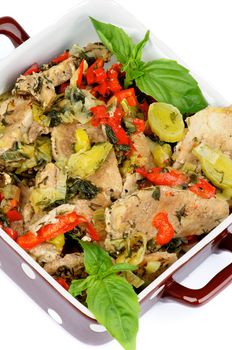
x=110, y=297
x=163, y=79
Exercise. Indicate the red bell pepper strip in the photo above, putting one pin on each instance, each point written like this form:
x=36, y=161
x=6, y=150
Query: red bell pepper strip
x=65, y=224
x=1, y=196
x=165, y=230
x=107, y=81
x=158, y=177
x=33, y=69
x=139, y=124
x=90, y=74
x=144, y=106
x=62, y=57
x=28, y=241
x=13, y=215
x=129, y=95
x=62, y=282
x=203, y=189
x=62, y=87
x=12, y=233
x=101, y=116
x=80, y=73
x=12, y=203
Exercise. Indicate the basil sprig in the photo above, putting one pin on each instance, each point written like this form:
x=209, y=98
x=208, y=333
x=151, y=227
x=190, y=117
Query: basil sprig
x=110, y=297
x=164, y=79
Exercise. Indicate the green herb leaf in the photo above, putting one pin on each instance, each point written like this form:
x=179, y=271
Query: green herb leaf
x=156, y=193
x=96, y=259
x=3, y=219
x=168, y=81
x=115, y=39
x=85, y=189
x=78, y=286
x=137, y=51
x=111, y=135
x=119, y=268
x=115, y=305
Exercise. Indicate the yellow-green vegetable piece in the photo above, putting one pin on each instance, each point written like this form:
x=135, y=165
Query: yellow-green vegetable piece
x=216, y=166
x=166, y=122
x=152, y=266
x=162, y=154
x=58, y=241
x=82, y=141
x=84, y=164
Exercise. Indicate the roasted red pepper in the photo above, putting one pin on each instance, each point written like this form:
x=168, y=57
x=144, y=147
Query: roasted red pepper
x=203, y=189
x=160, y=177
x=80, y=73
x=33, y=69
x=13, y=215
x=139, y=124
x=62, y=87
x=62, y=282
x=62, y=57
x=12, y=233
x=65, y=224
x=101, y=116
x=165, y=230
x=29, y=240
x=90, y=74
x=107, y=81
x=129, y=95
x=144, y=108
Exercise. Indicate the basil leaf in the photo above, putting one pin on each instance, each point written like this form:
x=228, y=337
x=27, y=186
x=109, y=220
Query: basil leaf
x=96, y=259
x=168, y=81
x=115, y=39
x=137, y=51
x=118, y=268
x=77, y=286
x=111, y=135
x=115, y=305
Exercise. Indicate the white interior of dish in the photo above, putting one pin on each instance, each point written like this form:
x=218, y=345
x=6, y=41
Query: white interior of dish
x=75, y=27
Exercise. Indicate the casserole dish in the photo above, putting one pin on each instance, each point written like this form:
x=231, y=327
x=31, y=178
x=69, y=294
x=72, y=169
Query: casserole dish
x=164, y=285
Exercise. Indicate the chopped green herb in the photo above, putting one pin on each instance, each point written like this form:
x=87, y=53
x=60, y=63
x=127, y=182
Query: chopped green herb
x=111, y=135
x=156, y=194
x=181, y=213
x=85, y=189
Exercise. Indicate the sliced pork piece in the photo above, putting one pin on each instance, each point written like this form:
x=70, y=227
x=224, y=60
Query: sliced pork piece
x=44, y=253
x=82, y=207
x=130, y=184
x=188, y=213
x=142, y=150
x=73, y=262
x=108, y=178
x=63, y=138
x=35, y=131
x=61, y=72
x=38, y=86
x=50, y=186
x=96, y=50
x=42, y=85
x=18, y=121
x=212, y=126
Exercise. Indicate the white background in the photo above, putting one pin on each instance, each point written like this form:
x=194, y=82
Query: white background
x=200, y=33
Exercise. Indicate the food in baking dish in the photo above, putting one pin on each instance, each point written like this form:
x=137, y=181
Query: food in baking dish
x=111, y=171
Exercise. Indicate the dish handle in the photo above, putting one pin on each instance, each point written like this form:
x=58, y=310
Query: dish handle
x=197, y=297
x=13, y=30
